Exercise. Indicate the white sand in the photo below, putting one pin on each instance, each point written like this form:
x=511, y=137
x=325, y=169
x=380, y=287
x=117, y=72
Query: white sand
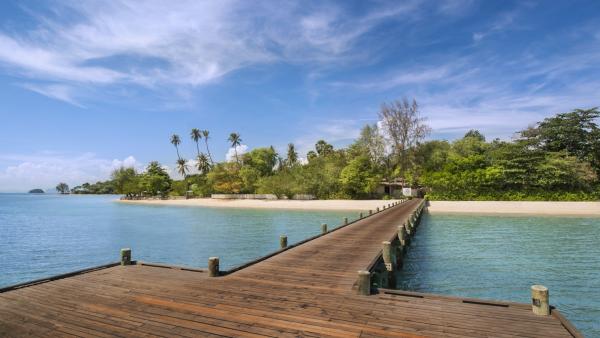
x=502, y=207
x=358, y=205
x=479, y=207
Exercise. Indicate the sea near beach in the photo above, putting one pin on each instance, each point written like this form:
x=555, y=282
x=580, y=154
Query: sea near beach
x=467, y=254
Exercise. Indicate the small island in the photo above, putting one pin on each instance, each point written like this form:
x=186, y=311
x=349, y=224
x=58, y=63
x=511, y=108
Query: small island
x=36, y=191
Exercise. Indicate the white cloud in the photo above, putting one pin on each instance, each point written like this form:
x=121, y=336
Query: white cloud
x=45, y=170
x=54, y=91
x=230, y=155
x=185, y=43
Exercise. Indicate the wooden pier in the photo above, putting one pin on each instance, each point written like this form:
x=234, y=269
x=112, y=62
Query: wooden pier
x=307, y=289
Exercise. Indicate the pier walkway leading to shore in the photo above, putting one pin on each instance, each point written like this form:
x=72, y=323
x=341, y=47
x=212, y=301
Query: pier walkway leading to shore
x=305, y=290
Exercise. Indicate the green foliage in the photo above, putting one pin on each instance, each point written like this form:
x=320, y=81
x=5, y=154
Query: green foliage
x=62, y=188
x=558, y=159
x=359, y=178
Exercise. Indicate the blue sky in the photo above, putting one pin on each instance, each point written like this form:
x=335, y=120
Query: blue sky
x=88, y=86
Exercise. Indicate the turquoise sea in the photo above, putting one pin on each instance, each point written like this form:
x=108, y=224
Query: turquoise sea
x=45, y=235
x=465, y=255
x=499, y=258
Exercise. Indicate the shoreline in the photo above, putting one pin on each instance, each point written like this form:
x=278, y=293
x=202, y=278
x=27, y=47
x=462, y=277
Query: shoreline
x=463, y=207
x=538, y=208
x=332, y=205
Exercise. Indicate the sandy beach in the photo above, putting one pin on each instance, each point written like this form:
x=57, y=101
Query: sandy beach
x=356, y=205
x=505, y=207
x=476, y=207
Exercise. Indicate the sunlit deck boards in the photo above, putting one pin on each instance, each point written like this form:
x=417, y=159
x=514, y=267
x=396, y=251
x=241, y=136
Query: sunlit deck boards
x=304, y=291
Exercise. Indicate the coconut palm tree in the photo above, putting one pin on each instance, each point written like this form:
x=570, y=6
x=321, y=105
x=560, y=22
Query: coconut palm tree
x=196, y=135
x=205, y=133
x=202, y=164
x=182, y=167
x=292, y=155
x=176, y=141
x=235, y=140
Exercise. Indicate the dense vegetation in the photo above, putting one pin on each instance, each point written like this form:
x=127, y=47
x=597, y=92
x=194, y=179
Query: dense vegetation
x=557, y=159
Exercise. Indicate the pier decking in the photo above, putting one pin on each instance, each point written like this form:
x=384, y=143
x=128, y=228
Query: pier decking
x=306, y=290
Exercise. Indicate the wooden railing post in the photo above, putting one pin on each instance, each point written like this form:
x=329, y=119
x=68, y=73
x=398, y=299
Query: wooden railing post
x=213, y=266
x=126, y=256
x=283, y=241
x=540, y=300
x=345, y=220
x=364, y=283
x=402, y=236
x=323, y=228
x=387, y=255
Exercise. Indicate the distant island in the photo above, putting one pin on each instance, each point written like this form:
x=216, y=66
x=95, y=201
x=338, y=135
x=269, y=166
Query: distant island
x=36, y=191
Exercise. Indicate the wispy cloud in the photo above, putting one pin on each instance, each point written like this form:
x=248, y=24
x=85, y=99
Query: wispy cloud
x=183, y=43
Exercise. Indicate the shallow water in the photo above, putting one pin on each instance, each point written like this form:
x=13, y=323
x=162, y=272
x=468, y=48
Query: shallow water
x=44, y=235
x=501, y=257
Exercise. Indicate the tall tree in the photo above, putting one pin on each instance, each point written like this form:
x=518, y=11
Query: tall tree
x=577, y=133
x=292, y=155
x=323, y=148
x=404, y=127
x=202, y=164
x=235, y=140
x=62, y=188
x=182, y=167
x=196, y=135
x=176, y=141
x=205, y=133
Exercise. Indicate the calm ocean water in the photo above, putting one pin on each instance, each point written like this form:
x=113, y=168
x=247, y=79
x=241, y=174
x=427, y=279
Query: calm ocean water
x=501, y=257
x=476, y=256
x=44, y=235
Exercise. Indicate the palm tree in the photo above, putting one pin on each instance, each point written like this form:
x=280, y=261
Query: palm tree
x=202, y=164
x=182, y=167
x=292, y=155
x=176, y=141
x=205, y=134
x=196, y=135
x=235, y=140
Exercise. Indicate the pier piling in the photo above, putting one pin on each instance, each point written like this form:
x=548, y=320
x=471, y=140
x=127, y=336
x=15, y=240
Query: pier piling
x=540, y=300
x=364, y=283
x=213, y=266
x=126, y=256
x=323, y=228
x=283, y=241
x=387, y=255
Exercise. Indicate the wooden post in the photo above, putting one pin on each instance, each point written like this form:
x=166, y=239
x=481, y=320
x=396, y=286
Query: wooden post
x=323, y=228
x=213, y=266
x=387, y=255
x=377, y=210
x=402, y=236
x=540, y=300
x=345, y=220
x=364, y=283
x=399, y=256
x=360, y=215
x=283, y=241
x=126, y=256
x=370, y=212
